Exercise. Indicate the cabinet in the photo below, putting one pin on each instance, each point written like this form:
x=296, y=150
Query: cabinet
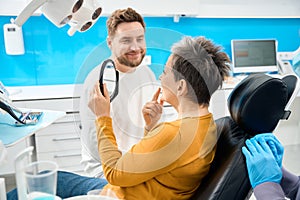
x=59, y=142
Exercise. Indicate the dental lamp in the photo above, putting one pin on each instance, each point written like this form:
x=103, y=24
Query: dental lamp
x=81, y=15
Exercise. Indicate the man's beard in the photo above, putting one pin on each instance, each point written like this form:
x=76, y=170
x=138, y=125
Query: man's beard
x=124, y=61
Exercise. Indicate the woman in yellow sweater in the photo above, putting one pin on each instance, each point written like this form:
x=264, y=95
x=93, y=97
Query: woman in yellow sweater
x=173, y=157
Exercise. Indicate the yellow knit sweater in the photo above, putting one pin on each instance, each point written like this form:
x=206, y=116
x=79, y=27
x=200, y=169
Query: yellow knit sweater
x=168, y=163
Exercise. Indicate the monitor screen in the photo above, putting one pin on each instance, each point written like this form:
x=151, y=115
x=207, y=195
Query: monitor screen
x=252, y=56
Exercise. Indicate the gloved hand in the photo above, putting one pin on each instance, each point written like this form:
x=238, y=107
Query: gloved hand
x=261, y=164
x=274, y=144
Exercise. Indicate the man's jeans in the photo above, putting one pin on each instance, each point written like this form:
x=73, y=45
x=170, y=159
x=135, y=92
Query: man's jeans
x=69, y=185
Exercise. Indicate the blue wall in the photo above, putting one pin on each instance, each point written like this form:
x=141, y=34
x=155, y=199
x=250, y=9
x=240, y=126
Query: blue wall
x=52, y=57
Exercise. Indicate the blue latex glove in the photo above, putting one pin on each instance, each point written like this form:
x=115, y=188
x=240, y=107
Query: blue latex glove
x=261, y=164
x=274, y=144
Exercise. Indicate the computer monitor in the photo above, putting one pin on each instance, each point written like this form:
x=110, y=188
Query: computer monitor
x=253, y=56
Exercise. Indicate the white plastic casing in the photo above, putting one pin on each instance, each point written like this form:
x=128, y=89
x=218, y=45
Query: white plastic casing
x=13, y=39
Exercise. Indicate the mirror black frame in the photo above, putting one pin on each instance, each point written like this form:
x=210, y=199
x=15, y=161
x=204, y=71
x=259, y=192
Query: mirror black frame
x=116, y=91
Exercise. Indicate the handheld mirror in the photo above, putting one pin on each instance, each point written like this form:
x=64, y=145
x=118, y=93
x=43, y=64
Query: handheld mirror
x=110, y=76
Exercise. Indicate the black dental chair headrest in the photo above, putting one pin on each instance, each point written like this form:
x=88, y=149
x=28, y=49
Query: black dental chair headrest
x=258, y=103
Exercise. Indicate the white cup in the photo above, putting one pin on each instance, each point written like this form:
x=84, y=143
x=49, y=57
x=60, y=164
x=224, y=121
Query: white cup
x=41, y=180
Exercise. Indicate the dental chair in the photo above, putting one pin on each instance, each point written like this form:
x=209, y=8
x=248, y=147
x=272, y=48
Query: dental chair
x=256, y=105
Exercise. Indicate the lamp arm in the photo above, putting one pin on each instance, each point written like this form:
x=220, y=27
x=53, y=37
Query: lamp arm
x=28, y=11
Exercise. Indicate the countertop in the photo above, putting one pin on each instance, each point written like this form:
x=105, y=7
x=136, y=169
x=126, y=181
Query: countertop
x=44, y=92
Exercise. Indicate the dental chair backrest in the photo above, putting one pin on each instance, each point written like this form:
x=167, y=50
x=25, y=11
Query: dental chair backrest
x=256, y=105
